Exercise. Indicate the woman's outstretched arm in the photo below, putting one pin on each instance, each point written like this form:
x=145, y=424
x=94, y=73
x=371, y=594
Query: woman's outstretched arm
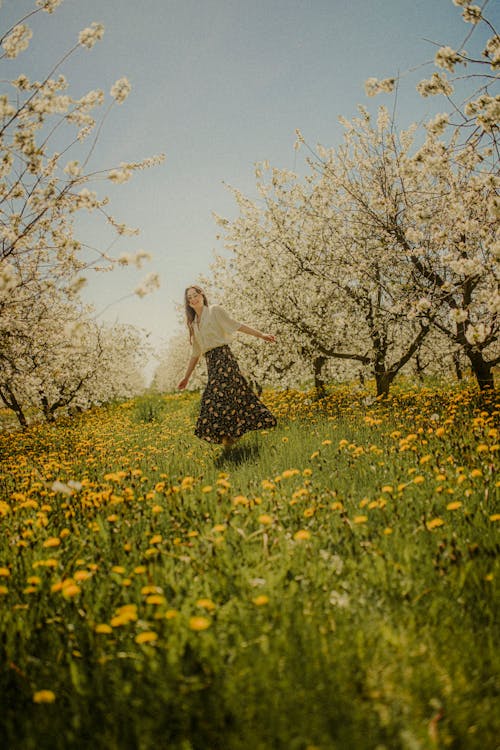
x=191, y=365
x=258, y=334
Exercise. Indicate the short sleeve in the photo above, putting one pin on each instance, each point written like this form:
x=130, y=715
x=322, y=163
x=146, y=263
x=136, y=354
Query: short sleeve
x=226, y=322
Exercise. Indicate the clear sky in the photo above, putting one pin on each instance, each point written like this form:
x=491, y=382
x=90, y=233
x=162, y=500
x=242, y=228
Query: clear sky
x=217, y=86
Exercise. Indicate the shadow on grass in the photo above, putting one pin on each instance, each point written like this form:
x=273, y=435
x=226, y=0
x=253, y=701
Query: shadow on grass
x=238, y=454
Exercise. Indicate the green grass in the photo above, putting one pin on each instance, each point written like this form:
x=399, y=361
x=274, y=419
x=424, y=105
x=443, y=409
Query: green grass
x=345, y=567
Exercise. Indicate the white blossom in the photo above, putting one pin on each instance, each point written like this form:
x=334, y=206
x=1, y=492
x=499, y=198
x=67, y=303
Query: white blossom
x=492, y=50
x=92, y=34
x=374, y=86
x=149, y=284
x=120, y=90
x=476, y=334
x=17, y=41
x=48, y=6
x=447, y=58
x=472, y=14
x=437, y=125
x=436, y=84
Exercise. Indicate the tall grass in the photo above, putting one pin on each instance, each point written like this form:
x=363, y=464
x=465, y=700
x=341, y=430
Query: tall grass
x=332, y=583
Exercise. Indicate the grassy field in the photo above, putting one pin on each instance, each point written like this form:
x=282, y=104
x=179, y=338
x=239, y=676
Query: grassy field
x=328, y=585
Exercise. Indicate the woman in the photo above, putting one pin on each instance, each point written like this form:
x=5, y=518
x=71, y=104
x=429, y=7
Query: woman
x=229, y=408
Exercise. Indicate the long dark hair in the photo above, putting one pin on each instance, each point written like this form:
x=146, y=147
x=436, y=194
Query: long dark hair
x=190, y=313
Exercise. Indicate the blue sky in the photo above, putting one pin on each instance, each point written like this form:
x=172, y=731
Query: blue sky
x=217, y=86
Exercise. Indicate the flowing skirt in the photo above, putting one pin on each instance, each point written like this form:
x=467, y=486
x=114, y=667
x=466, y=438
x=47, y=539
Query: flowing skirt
x=229, y=408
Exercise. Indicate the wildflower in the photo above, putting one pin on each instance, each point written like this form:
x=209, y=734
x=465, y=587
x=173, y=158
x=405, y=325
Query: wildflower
x=388, y=488
x=434, y=523
x=205, y=604
x=4, y=572
x=261, y=600
x=495, y=517
x=171, y=614
x=199, y=623
x=360, y=519
x=53, y=541
x=103, y=628
x=265, y=519
x=454, y=505
x=149, y=636
x=302, y=535
x=156, y=599
x=387, y=530
x=44, y=696
x=3, y=590
x=70, y=590
x=207, y=488
x=419, y=479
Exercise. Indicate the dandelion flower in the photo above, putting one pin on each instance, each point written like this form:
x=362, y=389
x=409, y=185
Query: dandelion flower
x=261, y=600
x=454, y=505
x=302, y=535
x=149, y=636
x=434, y=523
x=103, y=628
x=199, y=623
x=44, y=696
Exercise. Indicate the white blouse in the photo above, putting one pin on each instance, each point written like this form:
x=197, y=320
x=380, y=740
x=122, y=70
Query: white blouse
x=215, y=328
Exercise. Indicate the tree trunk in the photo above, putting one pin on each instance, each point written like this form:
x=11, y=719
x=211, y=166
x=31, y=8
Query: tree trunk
x=482, y=370
x=419, y=367
x=383, y=380
x=319, y=383
x=458, y=366
x=12, y=403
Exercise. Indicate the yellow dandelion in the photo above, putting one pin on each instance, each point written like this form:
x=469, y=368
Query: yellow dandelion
x=482, y=448
x=4, y=572
x=103, y=628
x=199, y=623
x=52, y=541
x=434, y=523
x=156, y=509
x=387, y=530
x=118, y=569
x=419, y=479
x=207, y=488
x=149, y=636
x=326, y=442
x=156, y=599
x=44, y=696
x=360, y=519
x=156, y=539
x=302, y=535
x=70, y=590
x=309, y=512
x=206, y=604
x=495, y=517
x=171, y=614
x=454, y=505
x=3, y=590
x=388, y=488
x=307, y=472
x=265, y=519
x=476, y=473
x=261, y=600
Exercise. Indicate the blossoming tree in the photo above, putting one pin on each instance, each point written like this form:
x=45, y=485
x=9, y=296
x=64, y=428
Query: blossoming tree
x=47, y=138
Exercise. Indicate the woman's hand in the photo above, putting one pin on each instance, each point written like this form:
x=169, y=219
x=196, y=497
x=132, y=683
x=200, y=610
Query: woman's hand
x=269, y=337
x=183, y=384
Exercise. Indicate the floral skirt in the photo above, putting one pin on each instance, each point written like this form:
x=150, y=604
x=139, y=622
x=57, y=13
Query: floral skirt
x=229, y=408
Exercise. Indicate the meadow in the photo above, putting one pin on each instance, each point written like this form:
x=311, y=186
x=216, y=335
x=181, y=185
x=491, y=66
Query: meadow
x=328, y=585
